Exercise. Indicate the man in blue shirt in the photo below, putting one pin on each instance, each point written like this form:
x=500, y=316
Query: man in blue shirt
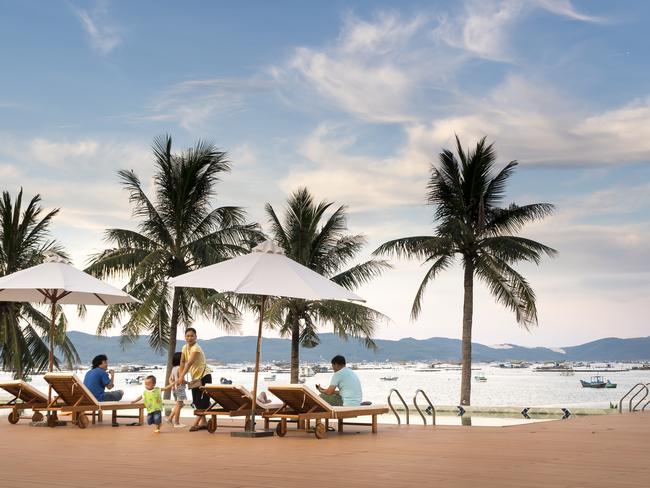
x=98, y=379
x=345, y=387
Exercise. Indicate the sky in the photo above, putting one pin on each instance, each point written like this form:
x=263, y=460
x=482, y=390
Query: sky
x=354, y=100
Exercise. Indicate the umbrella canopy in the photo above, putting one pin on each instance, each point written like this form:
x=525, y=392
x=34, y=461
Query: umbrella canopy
x=61, y=283
x=57, y=282
x=266, y=271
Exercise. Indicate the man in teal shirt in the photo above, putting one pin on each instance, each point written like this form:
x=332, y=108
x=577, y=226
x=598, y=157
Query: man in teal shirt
x=345, y=387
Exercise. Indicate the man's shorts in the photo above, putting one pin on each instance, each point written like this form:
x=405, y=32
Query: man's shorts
x=154, y=418
x=180, y=394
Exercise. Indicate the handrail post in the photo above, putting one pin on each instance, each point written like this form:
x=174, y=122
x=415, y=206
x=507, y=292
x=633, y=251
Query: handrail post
x=390, y=404
x=633, y=408
x=620, y=402
x=433, y=409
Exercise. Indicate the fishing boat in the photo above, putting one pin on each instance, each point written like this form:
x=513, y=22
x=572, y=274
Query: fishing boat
x=597, y=382
x=480, y=378
x=136, y=380
x=389, y=378
x=270, y=377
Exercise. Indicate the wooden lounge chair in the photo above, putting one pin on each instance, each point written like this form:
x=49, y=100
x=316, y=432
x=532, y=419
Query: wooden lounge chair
x=303, y=405
x=232, y=401
x=73, y=397
x=25, y=396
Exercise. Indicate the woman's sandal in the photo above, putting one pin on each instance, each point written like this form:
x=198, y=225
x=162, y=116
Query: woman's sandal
x=194, y=428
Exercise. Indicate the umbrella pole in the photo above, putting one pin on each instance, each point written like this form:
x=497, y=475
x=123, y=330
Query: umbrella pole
x=52, y=319
x=51, y=367
x=252, y=432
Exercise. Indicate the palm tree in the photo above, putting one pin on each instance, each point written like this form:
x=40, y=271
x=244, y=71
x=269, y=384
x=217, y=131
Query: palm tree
x=24, y=330
x=321, y=245
x=178, y=231
x=466, y=195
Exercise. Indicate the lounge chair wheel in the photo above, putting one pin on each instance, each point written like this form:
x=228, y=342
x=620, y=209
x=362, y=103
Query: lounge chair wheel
x=281, y=430
x=320, y=431
x=212, y=425
x=82, y=421
x=37, y=417
x=14, y=417
x=52, y=420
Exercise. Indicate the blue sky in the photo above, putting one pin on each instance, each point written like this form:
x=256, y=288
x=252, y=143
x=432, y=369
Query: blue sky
x=354, y=100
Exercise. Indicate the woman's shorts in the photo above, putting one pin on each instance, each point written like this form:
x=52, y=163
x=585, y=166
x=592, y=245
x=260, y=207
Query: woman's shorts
x=200, y=399
x=180, y=394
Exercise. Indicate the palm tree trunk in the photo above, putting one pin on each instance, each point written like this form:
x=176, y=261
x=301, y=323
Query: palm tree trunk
x=468, y=310
x=171, y=348
x=295, y=348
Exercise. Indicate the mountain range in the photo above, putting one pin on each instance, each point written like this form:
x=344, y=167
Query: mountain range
x=238, y=349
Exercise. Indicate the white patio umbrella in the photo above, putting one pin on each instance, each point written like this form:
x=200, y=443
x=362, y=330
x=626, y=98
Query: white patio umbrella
x=266, y=271
x=56, y=282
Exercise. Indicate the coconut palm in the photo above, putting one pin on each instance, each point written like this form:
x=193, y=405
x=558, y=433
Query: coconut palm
x=321, y=244
x=466, y=194
x=178, y=231
x=24, y=330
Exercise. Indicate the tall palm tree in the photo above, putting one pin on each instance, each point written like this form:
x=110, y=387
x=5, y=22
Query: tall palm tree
x=24, y=330
x=178, y=231
x=321, y=245
x=466, y=194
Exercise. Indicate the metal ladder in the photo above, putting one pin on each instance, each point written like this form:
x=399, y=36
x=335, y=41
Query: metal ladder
x=390, y=404
x=433, y=409
x=637, y=390
x=415, y=403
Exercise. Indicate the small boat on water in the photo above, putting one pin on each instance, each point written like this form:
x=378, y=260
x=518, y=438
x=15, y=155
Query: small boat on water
x=135, y=380
x=389, y=378
x=225, y=381
x=597, y=382
x=270, y=377
x=480, y=378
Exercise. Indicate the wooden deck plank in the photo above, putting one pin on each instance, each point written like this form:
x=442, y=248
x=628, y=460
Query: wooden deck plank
x=586, y=452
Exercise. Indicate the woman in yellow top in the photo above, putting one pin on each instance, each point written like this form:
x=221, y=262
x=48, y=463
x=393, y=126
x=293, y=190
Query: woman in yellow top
x=193, y=362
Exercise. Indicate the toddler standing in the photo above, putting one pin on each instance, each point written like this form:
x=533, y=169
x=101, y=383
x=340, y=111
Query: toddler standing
x=152, y=401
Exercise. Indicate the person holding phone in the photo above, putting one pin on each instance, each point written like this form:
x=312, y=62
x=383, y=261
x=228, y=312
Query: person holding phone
x=345, y=387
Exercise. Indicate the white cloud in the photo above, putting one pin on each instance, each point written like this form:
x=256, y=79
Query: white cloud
x=536, y=124
x=373, y=70
x=102, y=32
x=363, y=182
x=483, y=29
x=194, y=103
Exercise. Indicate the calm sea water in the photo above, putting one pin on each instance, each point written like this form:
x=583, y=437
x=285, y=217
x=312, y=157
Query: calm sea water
x=504, y=387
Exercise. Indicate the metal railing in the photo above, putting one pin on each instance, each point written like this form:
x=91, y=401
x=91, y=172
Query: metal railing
x=431, y=407
x=390, y=404
x=637, y=390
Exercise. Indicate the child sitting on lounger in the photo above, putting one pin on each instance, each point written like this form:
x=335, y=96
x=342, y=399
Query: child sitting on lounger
x=180, y=393
x=153, y=401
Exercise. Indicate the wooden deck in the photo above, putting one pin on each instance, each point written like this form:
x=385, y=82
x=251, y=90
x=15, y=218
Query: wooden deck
x=598, y=451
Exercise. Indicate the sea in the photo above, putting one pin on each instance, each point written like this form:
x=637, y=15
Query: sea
x=503, y=387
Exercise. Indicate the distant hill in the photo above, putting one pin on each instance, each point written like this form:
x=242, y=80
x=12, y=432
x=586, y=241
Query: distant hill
x=237, y=349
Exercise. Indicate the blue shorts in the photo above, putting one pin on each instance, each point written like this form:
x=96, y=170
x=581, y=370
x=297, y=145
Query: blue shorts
x=154, y=418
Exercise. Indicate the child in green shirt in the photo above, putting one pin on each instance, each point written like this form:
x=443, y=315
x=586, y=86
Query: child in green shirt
x=153, y=401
